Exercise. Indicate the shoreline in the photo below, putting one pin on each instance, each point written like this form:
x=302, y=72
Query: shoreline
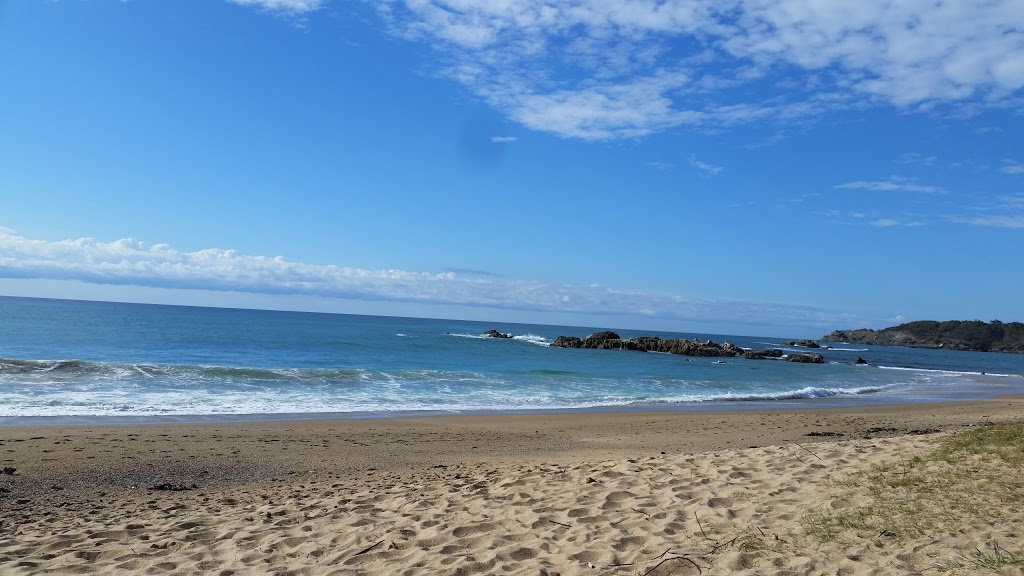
x=987, y=387
x=517, y=494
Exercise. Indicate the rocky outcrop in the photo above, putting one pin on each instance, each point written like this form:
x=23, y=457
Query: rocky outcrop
x=495, y=334
x=568, y=342
x=763, y=354
x=806, y=358
x=860, y=360
x=694, y=347
x=802, y=343
x=974, y=335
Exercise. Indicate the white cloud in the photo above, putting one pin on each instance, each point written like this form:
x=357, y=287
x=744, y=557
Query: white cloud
x=916, y=158
x=893, y=183
x=662, y=166
x=705, y=168
x=994, y=220
x=876, y=220
x=503, y=139
x=282, y=6
x=134, y=263
x=605, y=69
x=1005, y=211
x=885, y=223
x=1012, y=167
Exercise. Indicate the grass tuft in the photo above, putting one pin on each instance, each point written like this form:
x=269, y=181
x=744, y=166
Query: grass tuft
x=993, y=561
x=964, y=478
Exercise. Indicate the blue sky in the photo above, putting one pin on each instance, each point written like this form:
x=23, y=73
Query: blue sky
x=752, y=167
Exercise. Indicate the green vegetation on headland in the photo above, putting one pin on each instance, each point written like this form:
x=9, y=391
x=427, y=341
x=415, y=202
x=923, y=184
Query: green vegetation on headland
x=975, y=335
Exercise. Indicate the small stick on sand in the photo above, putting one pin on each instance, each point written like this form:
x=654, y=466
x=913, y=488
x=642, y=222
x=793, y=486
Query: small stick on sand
x=702, y=528
x=808, y=451
x=559, y=523
x=365, y=550
x=656, y=566
x=722, y=545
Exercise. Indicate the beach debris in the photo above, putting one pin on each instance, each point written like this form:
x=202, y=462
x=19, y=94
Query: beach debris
x=9, y=471
x=367, y=549
x=828, y=434
x=679, y=560
x=808, y=451
x=701, y=526
x=171, y=487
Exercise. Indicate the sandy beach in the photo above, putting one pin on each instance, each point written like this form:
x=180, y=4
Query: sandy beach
x=626, y=493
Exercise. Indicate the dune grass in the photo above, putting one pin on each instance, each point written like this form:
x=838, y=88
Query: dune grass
x=971, y=475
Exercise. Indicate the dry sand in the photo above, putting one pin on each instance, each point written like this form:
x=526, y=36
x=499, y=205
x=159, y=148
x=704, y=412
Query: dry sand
x=632, y=493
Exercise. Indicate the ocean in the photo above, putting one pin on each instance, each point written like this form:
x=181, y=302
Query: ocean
x=67, y=361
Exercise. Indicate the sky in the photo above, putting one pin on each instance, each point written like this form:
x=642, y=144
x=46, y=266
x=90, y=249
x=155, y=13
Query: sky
x=720, y=166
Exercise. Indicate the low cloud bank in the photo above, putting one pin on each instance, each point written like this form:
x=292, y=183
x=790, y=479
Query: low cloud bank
x=131, y=262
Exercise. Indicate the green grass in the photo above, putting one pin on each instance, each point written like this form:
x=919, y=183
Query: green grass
x=970, y=475
x=993, y=561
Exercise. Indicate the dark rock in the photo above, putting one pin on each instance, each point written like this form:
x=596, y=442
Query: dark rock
x=495, y=334
x=806, y=358
x=568, y=342
x=763, y=354
x=605, y=340
x=612, y=341
x=860, y=360
x=802, y=343
x=8, y=470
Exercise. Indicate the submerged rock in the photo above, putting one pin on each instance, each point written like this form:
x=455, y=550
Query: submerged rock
x=495, y=334
x=806, y=358
x=763, y=354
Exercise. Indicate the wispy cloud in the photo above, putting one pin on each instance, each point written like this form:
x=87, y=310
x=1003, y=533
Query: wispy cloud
x=996, y=220
x=765, y=142
x=705, y=168
x=1005, y=211
x=875, y=220
x=130, y=262
x=917, y=159
x=607, y=69
x=891, y=184
x=662, y=166
x=282, y=6
x=1012, y=167
x=503, y=139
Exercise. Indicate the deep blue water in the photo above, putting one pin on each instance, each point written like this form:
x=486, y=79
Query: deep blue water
x=72, y=358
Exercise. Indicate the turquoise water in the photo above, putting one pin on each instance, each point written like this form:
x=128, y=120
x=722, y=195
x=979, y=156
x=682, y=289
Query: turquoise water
x=90, y=359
